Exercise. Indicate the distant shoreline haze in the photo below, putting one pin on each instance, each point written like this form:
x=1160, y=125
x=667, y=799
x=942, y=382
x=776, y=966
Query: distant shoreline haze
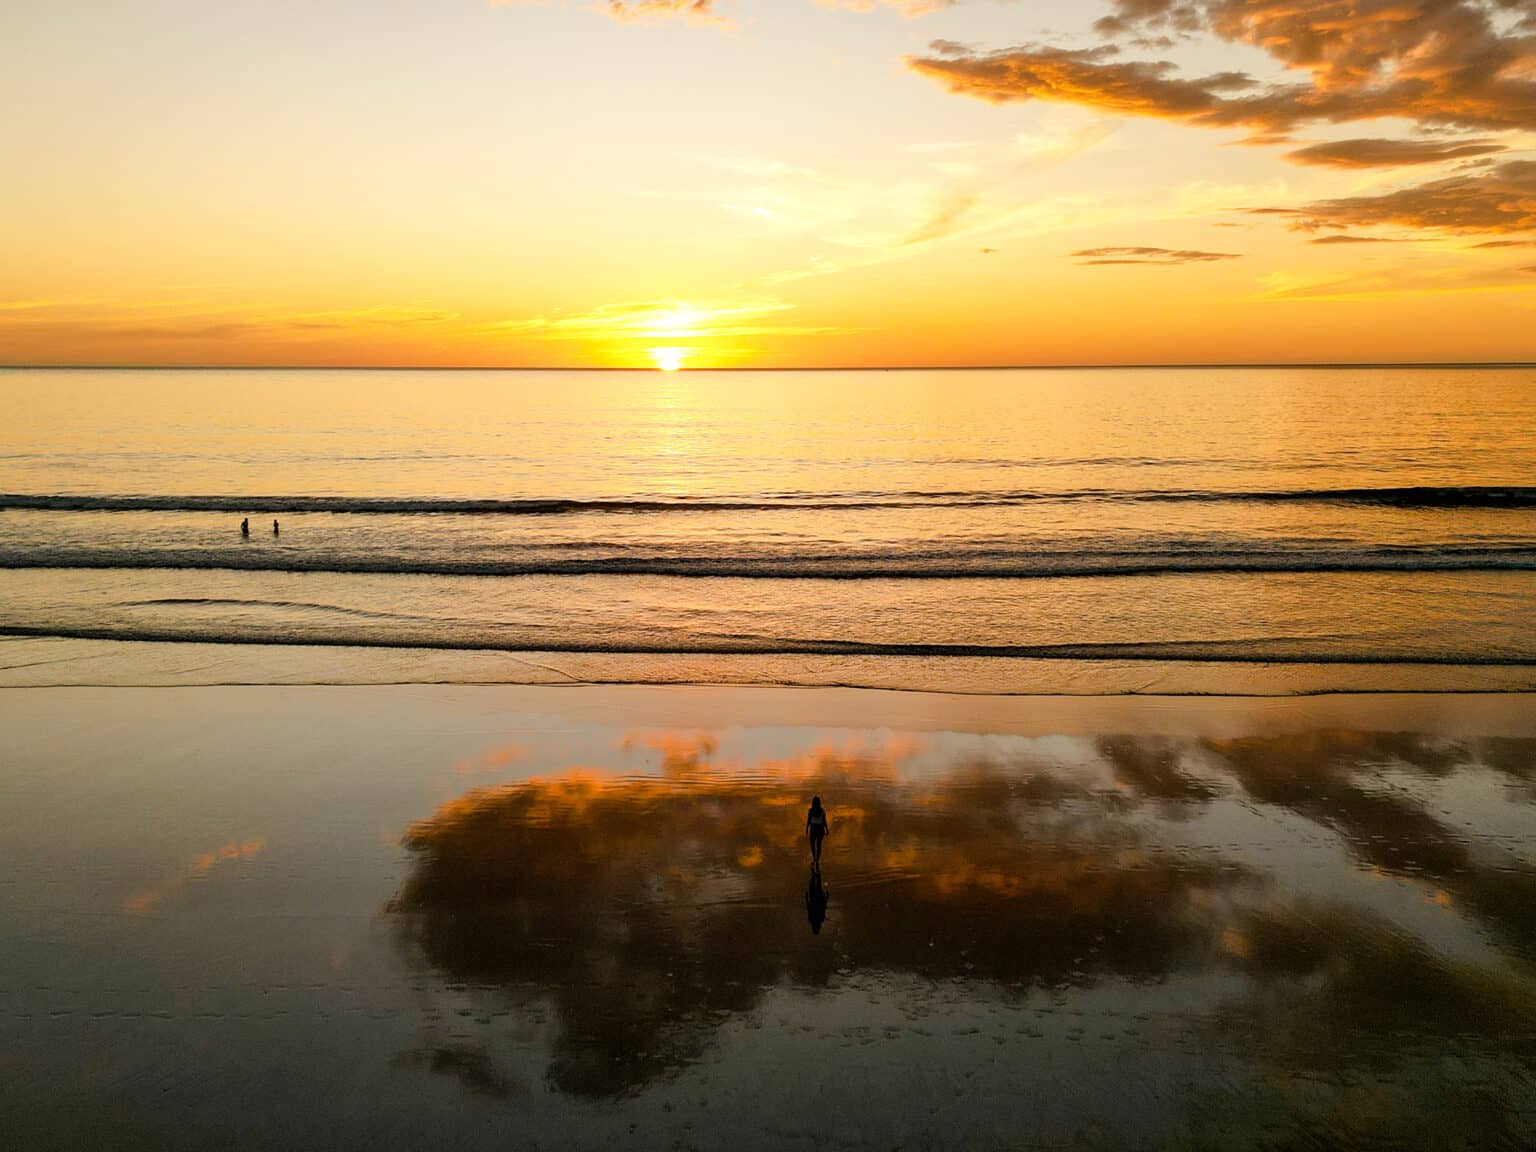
x=749, y=369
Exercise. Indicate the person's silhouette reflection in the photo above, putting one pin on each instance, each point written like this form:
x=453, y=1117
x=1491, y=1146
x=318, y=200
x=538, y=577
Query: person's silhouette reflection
x=816, y=902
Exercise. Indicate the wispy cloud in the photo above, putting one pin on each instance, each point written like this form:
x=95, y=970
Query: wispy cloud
x=1400, y=281
x=715, y=12
x=1382, y=153
x=653, y=320
x=1141, y=254
x=638, y=11
x=112, y=321
x=1347, y=238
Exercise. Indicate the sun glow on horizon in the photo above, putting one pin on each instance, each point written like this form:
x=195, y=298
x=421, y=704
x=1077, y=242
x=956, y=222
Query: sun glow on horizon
x=670, y=359
x=1008, y=198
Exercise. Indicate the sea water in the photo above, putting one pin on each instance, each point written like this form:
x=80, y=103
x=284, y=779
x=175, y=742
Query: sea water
x=1381, y=516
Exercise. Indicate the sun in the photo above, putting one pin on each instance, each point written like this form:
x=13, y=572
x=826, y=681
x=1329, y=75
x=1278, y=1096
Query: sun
x=669, y=359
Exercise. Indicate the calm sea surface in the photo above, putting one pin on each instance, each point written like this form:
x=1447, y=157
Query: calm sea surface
x=1287, y=515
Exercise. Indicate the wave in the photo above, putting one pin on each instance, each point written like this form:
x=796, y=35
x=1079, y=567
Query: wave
x=827, y=566
x=245, y=602
x=1209, y=651
x=1455, y=496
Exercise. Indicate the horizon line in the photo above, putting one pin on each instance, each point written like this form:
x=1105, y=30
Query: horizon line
x=1128, y=365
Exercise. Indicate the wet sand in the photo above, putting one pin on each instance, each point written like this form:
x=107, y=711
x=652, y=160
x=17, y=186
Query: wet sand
x=520, y=916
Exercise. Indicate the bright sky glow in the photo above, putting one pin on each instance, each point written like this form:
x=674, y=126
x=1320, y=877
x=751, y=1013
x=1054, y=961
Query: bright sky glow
x=686, y=183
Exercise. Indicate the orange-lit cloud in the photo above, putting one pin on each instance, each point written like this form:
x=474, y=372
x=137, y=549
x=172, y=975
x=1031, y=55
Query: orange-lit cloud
x=1348, y=238
x=1144, y=255
x=1432, y=62
x=700, y=11
x=1381, y=153
x=709, y=12
x=1501, y=199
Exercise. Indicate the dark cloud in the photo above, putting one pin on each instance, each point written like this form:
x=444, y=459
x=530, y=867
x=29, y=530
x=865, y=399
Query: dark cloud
x=1140, y=254
x=1432, y=62
x=1346, y=238
x=1381, y=153
x=1130, y=15
x=1501, y=199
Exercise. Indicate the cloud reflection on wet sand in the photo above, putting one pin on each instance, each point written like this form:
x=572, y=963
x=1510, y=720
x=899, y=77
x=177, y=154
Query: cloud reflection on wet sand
x=649, y=910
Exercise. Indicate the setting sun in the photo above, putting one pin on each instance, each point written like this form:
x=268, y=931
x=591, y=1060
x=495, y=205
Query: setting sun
x=669, y=359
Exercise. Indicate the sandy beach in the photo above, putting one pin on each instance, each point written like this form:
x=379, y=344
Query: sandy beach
x=534, y=916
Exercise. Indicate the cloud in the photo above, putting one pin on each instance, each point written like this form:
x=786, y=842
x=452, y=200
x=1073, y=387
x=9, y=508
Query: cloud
x=1441, y=63
x=1346, y=238
x=639, y=11
x=1132, y=15
x=707, y=11
x=1502, y=199
x=649, y=320
x=1144, y=255
x=908, y=8
x=946, y=219
x=1087, y=76
x=865, y=219
x=1384, y=283
x=1381, y=153
x=109, y=321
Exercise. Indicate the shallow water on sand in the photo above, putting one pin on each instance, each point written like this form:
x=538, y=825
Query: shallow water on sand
x=562, y=917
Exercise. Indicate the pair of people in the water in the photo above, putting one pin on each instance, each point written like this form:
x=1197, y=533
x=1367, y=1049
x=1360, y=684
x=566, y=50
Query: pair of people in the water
x=245, y=527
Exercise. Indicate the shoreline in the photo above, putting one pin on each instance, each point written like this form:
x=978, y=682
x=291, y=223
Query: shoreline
x=55, y=662
x=705, y=707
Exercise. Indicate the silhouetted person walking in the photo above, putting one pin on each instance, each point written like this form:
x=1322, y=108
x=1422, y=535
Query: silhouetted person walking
x=816, y=902
x=245, y=526
x=816, y=827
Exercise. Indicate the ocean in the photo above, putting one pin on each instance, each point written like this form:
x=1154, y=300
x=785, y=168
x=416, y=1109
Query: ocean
x=1369, y=516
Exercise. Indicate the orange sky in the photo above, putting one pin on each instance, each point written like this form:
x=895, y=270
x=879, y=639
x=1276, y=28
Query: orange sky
x=705, y=183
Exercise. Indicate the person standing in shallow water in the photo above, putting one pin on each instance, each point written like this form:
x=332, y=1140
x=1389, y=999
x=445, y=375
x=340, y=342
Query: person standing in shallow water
x=274, y=527
x=245, y=526
x=816, y=827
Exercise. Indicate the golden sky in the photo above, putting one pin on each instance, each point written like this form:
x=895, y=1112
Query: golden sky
x=767, y=183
